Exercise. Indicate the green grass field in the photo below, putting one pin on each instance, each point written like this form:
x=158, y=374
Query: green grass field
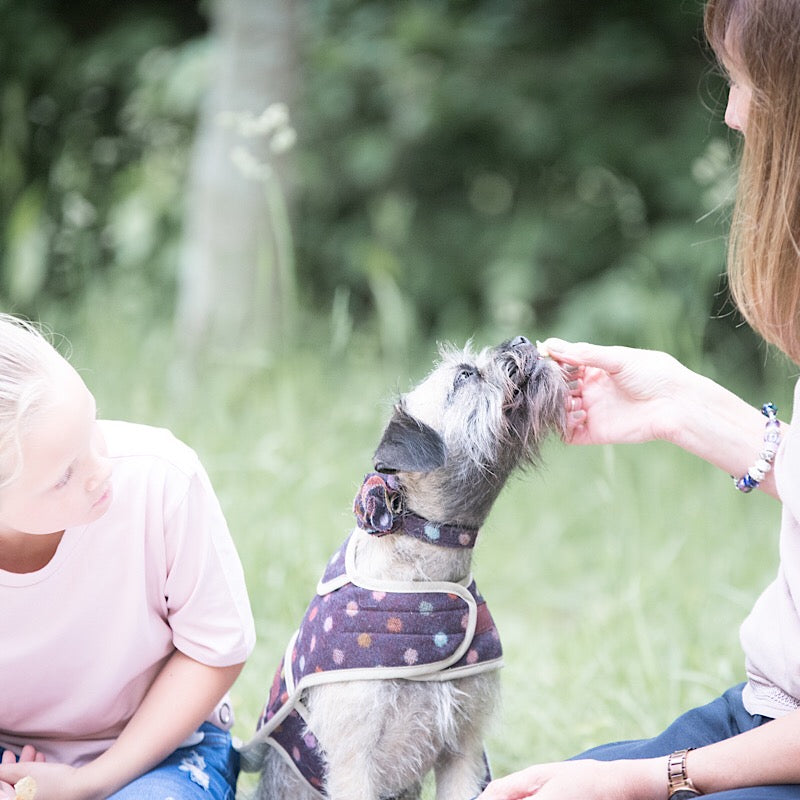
x=617, y=576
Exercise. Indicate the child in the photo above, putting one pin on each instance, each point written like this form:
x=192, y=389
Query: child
x=125, y=618
x=746, y=744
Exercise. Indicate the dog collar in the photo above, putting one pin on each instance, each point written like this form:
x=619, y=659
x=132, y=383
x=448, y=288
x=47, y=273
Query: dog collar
x=378, y=508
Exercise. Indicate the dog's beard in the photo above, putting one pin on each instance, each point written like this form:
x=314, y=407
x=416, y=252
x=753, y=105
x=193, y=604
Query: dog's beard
x=534, y=392
x=535, y=409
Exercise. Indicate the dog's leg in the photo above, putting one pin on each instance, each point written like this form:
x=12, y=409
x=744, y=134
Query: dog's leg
x=377, y=737
x=347, y=723
x=461, y=775
x=346, y=786
x=461, y=768
x=278, y=781
x=412, y=793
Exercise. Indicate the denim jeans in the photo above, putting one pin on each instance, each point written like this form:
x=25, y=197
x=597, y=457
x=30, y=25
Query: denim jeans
x=205, y=771
x=720, y=719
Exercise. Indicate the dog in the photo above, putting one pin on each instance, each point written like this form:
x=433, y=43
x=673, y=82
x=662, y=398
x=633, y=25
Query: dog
x=394, y=670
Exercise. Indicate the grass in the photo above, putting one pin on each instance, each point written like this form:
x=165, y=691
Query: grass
x=617, y=576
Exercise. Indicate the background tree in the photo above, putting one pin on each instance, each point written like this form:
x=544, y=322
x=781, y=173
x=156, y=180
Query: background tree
x=236, y=272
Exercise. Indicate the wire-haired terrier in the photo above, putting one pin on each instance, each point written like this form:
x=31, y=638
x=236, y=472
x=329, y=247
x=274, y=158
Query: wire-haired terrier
x=394, y=669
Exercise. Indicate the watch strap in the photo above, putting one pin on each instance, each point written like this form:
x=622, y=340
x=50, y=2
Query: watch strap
x=680, y=785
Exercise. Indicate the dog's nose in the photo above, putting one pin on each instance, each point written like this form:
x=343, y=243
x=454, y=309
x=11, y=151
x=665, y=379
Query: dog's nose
x=520, y=341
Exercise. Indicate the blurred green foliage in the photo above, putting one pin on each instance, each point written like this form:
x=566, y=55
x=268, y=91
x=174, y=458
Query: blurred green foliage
x=463, y=166
x=97, y=104
x=506, y=162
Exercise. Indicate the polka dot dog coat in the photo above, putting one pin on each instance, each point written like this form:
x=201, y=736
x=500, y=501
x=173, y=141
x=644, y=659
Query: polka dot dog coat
x=358, y=628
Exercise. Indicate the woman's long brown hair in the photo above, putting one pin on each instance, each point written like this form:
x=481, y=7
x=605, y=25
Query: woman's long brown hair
x=761, y=40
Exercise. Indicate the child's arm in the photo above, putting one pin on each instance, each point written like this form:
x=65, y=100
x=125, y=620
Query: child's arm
x=183, y=694
x=181, y=697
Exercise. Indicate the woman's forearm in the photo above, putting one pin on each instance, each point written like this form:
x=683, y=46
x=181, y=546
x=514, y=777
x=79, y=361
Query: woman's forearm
x=719, y=427
x=766, y=755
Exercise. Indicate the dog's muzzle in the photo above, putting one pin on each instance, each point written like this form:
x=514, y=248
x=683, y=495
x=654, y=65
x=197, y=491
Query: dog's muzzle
x=522, y=360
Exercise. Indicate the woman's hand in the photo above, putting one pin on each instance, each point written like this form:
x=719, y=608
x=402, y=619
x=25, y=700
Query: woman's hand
x=583, y=780
x=618, y=394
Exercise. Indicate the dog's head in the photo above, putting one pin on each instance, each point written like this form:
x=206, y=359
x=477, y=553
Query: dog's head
x=457, y=436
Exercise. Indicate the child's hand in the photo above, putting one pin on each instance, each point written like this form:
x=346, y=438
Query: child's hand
x=28, y=755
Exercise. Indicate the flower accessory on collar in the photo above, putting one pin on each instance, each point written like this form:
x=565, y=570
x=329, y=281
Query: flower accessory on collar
x=378, y=508
x=378, y=503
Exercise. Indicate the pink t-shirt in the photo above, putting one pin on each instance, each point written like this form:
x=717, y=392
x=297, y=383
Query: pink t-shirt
x=770, y=635
x=82, y=639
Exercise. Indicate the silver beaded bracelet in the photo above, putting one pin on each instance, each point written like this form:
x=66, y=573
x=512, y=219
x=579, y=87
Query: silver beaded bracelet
x=772, y=439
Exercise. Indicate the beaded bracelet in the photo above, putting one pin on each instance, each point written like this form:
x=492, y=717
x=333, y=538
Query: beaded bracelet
x=772, y=438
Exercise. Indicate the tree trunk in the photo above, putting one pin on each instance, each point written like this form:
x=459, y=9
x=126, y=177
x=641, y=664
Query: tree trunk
x=234, y=292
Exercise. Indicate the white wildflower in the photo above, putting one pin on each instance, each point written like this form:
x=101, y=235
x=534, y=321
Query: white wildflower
x=283, y=140
x=249, y=166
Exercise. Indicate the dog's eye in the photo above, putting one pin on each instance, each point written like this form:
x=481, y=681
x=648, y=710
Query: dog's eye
x=463, y=375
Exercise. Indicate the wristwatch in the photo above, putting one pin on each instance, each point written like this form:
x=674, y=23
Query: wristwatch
x=680, y=784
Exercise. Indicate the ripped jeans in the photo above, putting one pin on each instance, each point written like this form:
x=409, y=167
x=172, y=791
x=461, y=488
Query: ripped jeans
x=204, y=771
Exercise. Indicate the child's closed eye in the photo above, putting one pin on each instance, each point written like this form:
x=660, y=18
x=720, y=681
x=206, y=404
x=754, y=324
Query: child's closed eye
x=65, y=479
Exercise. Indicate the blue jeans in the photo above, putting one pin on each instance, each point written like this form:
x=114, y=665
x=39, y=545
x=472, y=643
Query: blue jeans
x=205, y=771
x=721, y=719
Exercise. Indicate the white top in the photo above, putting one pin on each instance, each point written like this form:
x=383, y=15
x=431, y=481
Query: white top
x=82, y=639
x=770, y=636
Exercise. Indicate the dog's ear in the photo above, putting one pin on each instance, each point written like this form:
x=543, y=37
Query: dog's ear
x=409, y=445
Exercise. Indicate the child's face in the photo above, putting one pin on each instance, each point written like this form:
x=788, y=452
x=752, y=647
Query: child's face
x=66, y=474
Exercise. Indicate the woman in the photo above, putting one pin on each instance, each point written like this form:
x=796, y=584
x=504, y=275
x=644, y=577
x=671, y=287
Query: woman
x=746, y=744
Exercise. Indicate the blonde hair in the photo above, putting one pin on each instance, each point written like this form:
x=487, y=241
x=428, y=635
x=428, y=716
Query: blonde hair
x=761, y=39
x=26, y=368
